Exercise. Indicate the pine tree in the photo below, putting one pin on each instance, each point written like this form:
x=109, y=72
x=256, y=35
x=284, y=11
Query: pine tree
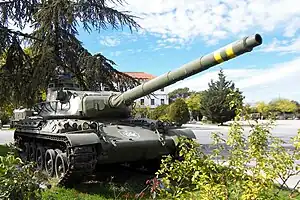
x=55, y=47
x=216, y=100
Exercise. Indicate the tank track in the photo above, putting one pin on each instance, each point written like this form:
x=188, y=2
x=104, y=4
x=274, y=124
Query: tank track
x=80, y=165
x=81, y=161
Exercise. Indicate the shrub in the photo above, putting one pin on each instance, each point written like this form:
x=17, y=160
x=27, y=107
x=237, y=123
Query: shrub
x=4, y=117
x=19, y=180
x=140, y=111
x=159, y=112
x=178, y=111
x=226, y=172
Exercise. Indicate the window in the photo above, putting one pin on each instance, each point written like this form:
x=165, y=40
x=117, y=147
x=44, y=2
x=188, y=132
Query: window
x=142, y=101
x=162, y=101
x=152, y=101
x=162, y=89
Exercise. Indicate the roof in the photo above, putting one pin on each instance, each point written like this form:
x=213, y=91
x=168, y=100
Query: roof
x=140, y=75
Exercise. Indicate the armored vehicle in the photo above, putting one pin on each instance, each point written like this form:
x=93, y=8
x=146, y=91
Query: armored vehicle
x=77, y=130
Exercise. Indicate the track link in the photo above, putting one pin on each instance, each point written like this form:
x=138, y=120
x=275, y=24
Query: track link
x=81, y=160
x=80, y=165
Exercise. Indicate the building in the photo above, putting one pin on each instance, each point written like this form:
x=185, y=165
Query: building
x=157, y=98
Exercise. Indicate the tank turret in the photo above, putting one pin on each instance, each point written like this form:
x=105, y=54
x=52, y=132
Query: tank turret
x=71, y=102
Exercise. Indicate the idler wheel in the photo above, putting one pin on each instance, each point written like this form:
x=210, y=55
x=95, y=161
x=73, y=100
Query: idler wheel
x=40, y=157
x=60, y=164
x=32, y=152
x=50, y=162
x=24, y=154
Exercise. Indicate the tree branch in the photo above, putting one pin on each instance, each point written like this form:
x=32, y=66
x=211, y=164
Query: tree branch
x=5, y=29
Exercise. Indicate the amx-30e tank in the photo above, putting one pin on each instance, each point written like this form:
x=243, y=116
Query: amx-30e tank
x=75, y=131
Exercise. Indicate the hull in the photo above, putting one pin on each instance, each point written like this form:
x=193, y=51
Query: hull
x=65, y=149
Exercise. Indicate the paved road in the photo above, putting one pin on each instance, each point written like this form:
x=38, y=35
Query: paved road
x=285, y=129
x=6, y=136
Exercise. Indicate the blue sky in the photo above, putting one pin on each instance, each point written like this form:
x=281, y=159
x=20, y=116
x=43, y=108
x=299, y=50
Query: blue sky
x=178, y=31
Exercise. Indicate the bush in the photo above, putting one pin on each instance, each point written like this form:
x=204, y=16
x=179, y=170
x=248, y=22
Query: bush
x=179, y=112
x=140, y=111
x=19, y=180
x=4, y=117
x=159, y=112
x=223, y=174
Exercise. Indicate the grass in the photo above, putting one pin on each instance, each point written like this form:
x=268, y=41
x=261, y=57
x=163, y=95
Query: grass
x=4, y=150
x=95, y=191
x=104, y=192
x=284, y=194
x=121, y=187
x=125, y=185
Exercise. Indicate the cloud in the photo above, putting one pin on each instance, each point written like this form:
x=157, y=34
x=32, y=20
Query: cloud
x=115, y=53
x=283, y=46
x=109, y=41
x=181, y=21
x=256, y=83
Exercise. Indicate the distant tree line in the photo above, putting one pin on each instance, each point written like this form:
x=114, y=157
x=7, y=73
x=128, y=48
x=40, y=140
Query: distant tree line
x=217, y=104
x=279, y=108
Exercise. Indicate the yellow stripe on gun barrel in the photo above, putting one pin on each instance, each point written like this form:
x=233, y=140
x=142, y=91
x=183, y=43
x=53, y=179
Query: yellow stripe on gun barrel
x=218, y=57
x=229, y=52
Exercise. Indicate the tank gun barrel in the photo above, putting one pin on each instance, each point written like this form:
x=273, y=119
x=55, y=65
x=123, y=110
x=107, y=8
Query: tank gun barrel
x=200, y=64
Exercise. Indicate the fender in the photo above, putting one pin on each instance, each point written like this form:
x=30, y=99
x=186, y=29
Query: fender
x=83, y=139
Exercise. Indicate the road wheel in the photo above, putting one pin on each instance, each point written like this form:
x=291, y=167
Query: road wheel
x=40, y=157
x=50, y=162
x=60, y=164
x=32, y=152
x=24, y=154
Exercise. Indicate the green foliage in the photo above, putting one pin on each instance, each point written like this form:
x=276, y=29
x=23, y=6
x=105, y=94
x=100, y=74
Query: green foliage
x=6, y=112
x=179, y=93
x=140, y=111
x=277, y=106
x=193, y=103
x=4, y=117
x=263, y=108
x=131, y=189
x=4, y=150
x=283, y=106
x=54, y=46
x=165, y=118
x=159, y=112
x=246, y=169
x=216, y=101
x=250, y=109
x=298, y=108
x=19, y=180
x=178, y=112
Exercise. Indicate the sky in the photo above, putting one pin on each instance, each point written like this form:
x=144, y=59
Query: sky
x=175, y=32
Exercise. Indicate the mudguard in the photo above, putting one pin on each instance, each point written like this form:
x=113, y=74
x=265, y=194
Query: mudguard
x=81, y=139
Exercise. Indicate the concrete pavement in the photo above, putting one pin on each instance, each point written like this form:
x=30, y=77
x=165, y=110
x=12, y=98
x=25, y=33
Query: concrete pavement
x=6, y=136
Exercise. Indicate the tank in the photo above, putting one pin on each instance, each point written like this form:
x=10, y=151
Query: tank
x=76, y=131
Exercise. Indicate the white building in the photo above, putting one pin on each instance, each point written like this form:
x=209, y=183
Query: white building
x=157, y=98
